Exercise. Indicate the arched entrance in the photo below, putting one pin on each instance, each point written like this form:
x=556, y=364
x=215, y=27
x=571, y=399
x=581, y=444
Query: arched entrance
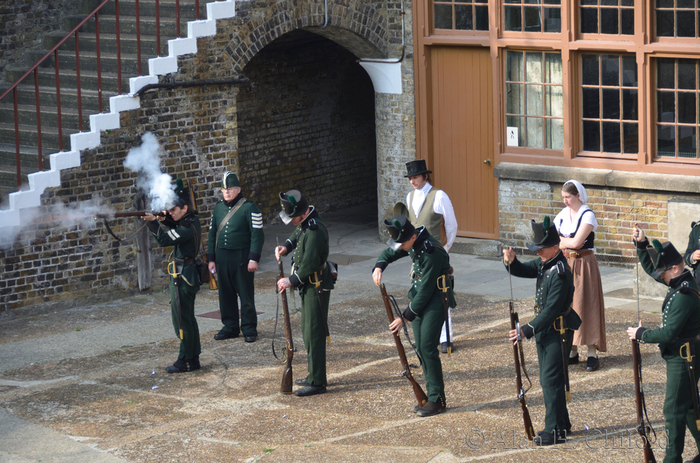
x=306, y=120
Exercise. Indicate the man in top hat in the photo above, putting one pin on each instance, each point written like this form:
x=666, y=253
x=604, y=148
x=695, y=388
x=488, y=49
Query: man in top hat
x=183, y=232
x=692, y=251
x=235, y=242
x=677, y=338
x=553, y=326
x=430, y=208
x=311, y=275
x=430, y=272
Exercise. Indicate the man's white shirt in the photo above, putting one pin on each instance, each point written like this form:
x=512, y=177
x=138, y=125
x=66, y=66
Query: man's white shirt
x=442, y=205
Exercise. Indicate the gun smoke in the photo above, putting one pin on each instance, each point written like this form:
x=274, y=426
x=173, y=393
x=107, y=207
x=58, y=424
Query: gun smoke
x=156, y=185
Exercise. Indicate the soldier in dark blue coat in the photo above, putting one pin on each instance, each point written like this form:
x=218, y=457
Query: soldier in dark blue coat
x=553, y=326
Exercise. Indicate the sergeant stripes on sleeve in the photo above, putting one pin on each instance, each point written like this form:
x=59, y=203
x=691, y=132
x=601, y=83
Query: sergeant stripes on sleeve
x=256, y=218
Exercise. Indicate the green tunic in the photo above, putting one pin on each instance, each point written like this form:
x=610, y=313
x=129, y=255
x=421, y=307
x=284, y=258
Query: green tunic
x=185, y=239
x=239, y=242
x=425, y=311
x=681, y=321
x=309, y=243
x=555, y=292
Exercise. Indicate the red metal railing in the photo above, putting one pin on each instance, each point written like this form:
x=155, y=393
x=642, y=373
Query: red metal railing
x=54, y=52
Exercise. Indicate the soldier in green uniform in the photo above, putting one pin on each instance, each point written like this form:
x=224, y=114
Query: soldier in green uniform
x=235, y=242
x=692, y=251
x=312, y=277
x=553, y=326
x=426, y=311
x=180, y=229
x=678, y=339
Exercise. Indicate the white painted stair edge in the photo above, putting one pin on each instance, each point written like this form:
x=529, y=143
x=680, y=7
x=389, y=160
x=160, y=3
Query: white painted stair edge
x=162, y=65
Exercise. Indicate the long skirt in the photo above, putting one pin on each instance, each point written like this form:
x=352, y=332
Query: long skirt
x=588, y=302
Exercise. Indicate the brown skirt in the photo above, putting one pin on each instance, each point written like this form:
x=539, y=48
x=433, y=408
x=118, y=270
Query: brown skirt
x=588, y=302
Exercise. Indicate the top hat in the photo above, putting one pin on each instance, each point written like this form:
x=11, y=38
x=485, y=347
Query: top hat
x=400, y=230
x=664, y=256
x=416, y=168
x=293, y=205
x=230, y=180
x=545, y=235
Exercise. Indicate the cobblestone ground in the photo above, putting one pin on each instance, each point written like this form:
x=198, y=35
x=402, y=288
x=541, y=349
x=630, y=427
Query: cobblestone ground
x=123, y=403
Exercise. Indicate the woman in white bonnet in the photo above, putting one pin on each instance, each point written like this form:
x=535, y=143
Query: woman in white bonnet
x=576, y=224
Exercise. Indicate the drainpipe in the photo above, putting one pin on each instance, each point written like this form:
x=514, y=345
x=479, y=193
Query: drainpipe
x=197, y=83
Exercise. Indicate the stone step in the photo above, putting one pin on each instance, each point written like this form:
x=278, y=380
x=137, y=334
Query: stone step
x=127, y=25
x=88, y=62
x=166, y=8
x=67, y=79
x=28, y=136
x=28, y=158
x=49, y=115
x=48, y=98
x=477, y=247
x=108, y=44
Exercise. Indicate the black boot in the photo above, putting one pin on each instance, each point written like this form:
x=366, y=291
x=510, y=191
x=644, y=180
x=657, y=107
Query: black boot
x=431, y=408
x=184, y=365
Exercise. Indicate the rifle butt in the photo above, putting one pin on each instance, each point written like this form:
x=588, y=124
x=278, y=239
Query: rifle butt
x=213, y=285
x=287, y=380
x=529, y=429
x=418, y=392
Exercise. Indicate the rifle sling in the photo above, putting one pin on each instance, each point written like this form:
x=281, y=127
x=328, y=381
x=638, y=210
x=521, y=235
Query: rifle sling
x=228, y=216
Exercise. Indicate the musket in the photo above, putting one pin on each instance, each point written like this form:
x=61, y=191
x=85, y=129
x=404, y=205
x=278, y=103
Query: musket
x=417, y=390
x=286, y=387
x=128, y=214
x=519, y=361
x=213, y=285
x=642, y=428
x=113, y=215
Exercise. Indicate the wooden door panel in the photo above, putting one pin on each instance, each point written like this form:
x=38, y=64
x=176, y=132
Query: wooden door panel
x=461, y=112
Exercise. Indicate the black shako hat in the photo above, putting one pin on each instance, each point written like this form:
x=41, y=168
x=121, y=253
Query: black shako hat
x=230, y=180
x=182, y=194
x=293, y=205
x=416, y=168
x=664, y=256
x=400, y=230
x=545, y=234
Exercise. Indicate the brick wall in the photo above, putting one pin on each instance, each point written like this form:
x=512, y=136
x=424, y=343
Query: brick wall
x=306, y=119
x=617, y=210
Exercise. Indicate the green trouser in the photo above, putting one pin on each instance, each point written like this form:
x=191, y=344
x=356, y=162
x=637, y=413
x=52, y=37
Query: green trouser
x=552, y=380
x=190, y=346
x=426, y=331
x=314, y=333
x=235, y=281
x=678, y=408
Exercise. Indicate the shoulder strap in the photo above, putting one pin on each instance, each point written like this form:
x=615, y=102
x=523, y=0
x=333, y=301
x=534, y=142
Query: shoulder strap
x=580, y=217
x=228, y=216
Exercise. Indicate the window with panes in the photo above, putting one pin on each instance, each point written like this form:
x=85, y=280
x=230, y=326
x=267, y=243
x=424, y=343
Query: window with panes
x=604, y=89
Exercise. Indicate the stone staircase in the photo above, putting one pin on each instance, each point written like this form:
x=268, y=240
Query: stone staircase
x=154, y=63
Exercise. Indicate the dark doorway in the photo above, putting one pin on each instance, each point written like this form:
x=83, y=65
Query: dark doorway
x=306, y=120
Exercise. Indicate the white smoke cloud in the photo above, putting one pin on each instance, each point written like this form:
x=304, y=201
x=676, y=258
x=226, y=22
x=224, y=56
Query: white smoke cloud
x=79, y=215
x=156, y=185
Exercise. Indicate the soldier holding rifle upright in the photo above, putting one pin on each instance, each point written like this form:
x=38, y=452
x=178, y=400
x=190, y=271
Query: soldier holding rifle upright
x=430, y=277
x=183, y=234
x=553, y=325
x=311, y=275
x=678, y=339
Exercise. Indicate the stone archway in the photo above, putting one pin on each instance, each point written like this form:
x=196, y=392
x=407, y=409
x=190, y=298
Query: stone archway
x=306, y=121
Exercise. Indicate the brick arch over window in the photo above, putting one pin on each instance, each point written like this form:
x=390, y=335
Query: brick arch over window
x=357, y=26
